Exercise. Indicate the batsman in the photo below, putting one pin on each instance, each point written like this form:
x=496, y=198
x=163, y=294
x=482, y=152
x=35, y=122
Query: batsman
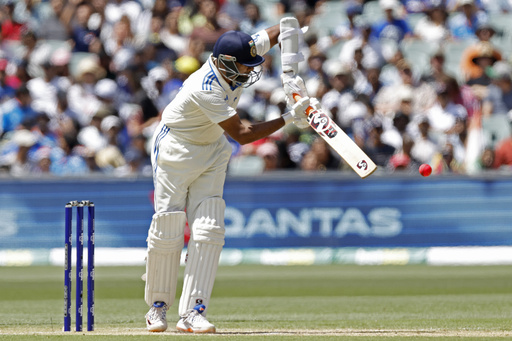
x=190, y=155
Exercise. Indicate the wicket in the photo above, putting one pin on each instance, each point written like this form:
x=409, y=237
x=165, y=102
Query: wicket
x=79, y=264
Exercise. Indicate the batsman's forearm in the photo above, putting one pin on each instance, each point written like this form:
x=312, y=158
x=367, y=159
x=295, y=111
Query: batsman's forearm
x=257, y=131
x=273, y=33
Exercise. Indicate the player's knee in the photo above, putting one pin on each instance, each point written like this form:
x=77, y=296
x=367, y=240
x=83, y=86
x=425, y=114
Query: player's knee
x=166, y=231
x=208, y=226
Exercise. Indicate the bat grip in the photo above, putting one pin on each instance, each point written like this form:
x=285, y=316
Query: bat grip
x=297, y=98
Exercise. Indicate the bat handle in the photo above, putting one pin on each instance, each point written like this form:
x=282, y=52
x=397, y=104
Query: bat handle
x=297, y=98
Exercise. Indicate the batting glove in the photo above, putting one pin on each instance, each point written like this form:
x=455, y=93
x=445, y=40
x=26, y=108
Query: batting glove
x=298, y=114
x=293, y=84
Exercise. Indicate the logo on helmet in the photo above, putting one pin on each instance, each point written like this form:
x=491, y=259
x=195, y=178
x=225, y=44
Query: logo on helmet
x=253, y=48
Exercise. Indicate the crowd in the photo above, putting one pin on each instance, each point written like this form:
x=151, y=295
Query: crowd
x=83, y=83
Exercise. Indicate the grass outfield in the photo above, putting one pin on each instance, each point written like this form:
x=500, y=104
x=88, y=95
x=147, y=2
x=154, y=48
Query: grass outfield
x=280, y=303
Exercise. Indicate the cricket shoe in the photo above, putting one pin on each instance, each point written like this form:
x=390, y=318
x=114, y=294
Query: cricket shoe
x=156, y=317
x=194, y=322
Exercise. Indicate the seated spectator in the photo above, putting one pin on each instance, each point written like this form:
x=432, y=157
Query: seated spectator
x=342, y=94
x=10, y=27
x=434, y=26
x=425, y=145
x=6, y=91
x=503, y=154
x=463, y=25
x=81, y=96
x=85, y=39
x=499, y=98
x=473, y=57
x=171, y=35
x=53, y=25
x=22, y=165
x=445, y=162
x=43, y=161
x=17, y=111
x=253, y=21
x=350, y=29
x=211, y=30
x=65, y=159
x=375, y=148
x=444, y=113
x=436, y=71
x=92, y=136
x=269, y=152
x=391, y=28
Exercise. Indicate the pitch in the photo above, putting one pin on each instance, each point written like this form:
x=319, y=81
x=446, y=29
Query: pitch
x=280, y=303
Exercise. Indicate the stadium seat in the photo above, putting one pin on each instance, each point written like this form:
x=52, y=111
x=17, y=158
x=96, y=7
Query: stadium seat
x=246, y=165
x=372, y=12
x=418, y=53
x=496, y=128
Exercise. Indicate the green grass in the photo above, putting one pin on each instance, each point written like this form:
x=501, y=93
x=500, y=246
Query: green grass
x=280, y=303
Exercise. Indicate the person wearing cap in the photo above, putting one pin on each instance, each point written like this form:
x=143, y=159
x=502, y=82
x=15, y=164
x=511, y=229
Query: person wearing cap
x=190, y=155
x=463, y=24
x=473, y=60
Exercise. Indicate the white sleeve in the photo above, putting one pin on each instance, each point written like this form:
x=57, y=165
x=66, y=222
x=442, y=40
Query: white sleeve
x=262, y=42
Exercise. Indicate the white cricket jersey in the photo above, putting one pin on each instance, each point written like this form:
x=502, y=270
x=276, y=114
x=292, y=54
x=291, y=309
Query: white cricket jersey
x=204, y=100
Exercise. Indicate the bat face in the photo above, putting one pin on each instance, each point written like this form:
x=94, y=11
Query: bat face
x=340, y=142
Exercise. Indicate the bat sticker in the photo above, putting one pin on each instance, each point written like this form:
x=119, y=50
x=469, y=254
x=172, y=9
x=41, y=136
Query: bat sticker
x=362, y=165
x=322, y=124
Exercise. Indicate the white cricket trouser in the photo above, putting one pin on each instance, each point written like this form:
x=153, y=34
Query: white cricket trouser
x=184, y=174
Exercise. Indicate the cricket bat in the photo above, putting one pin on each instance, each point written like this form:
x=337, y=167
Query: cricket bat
x=317, y=119
x=339, y=141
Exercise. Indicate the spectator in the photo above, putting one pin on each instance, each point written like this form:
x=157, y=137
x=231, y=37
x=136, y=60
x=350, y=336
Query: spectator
x=43, y=161
x=85, y=39
x=44, y=89
x=350, y=29
x=10, y=28
x=65, y=158
x=22, y=166
x=444, y=114
x=445, y=162
x=503, y=154
x=81, y=97
x=375, y=148
x=464, y=24
x=436, y=71
x=54, y=25
x=472, y=58
x=92, y=136
x=6, y=91
x=391, y=28
x=341, y=96
x=171, y=35
x=499, y=93
x=425, y=145
x=433, y=28
x=17, y=110
x=253, y=22
x=269, y=152
x=183, y=67
x=210, y=31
